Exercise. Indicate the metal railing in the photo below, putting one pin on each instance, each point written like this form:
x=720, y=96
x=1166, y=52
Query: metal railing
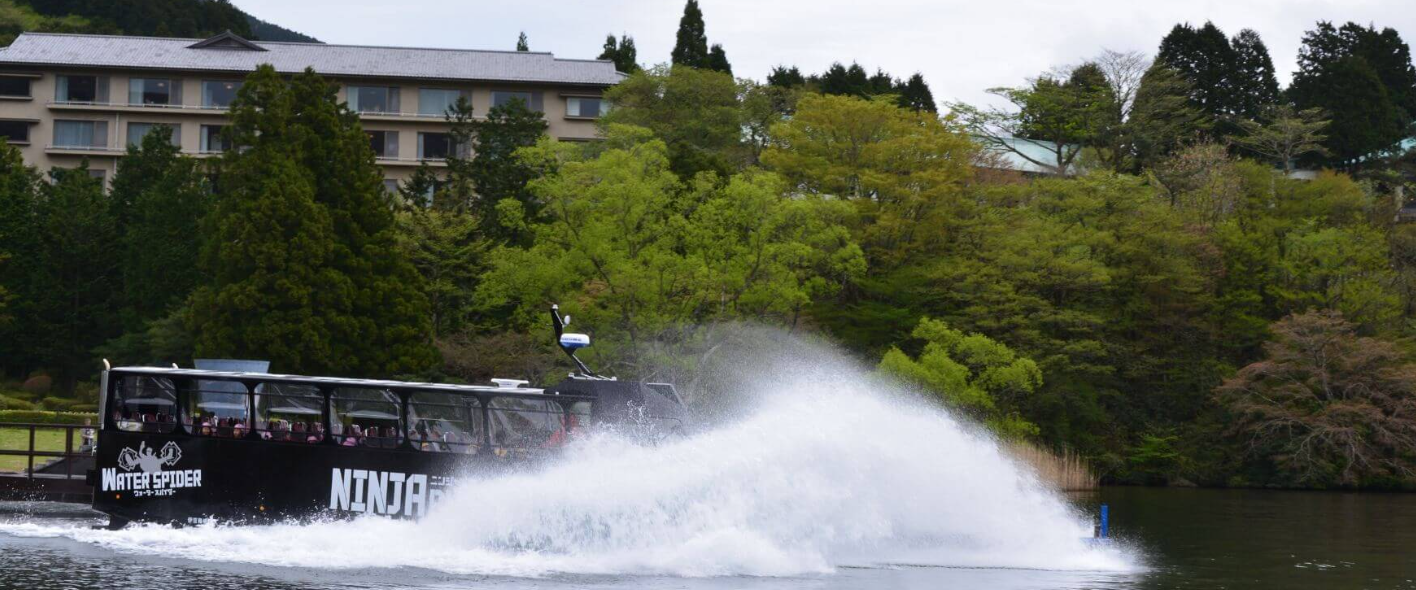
x=68, y=455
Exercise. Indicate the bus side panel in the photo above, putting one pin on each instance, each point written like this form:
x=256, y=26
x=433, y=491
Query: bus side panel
x=187, y=479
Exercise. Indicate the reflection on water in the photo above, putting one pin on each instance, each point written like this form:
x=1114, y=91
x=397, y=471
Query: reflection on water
x=1262, y=540
x=1190, y=539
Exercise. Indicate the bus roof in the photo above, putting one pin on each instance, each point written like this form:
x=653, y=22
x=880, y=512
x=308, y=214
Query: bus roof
x=336, y=381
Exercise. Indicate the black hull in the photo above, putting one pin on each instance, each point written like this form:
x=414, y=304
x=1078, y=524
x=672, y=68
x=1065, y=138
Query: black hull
x=253, y=481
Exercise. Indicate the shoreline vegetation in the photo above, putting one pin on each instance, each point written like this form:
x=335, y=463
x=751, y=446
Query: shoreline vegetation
x=1202, y=277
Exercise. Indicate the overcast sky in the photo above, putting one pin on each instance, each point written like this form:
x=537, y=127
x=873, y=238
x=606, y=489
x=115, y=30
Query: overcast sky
x=962, y=48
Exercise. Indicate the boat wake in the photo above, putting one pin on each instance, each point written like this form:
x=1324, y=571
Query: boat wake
x=824, y=472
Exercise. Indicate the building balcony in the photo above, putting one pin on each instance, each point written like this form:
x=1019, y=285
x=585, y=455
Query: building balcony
x=396, y=162
x=124, y=107
x=84, y=150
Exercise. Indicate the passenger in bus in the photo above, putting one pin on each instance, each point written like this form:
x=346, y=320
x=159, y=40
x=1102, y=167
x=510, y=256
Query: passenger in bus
x=352, y=439
x=316, y=432
x=239, y=430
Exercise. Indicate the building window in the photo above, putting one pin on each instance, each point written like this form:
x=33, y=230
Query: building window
x=435, y=146
x=532, y=100
x=590, y=108
x=213, y=140
x=390, y=186
x=15, y=132
x=14, y=87
x=157, y=91
x=435, y=102
x=384, y=143
x=373, y=99
x=91, y=89
x=218, y=94
x=137, y=131
x=80, y=134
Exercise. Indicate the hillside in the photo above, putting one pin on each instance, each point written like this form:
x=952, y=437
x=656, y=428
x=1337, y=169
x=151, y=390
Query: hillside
x=162, y=18
x=272, y=32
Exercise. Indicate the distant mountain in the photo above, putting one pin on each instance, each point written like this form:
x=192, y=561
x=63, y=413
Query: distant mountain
x=159, y=18
x=272, y=32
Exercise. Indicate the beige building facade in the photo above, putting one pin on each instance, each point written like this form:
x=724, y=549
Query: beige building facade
x=66, y=97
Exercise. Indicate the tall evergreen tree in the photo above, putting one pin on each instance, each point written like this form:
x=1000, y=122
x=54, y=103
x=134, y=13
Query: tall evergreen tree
x=691, y=46
x=784, y=77
x=160, y=196
x=1208, y=62
x=1365, y=119
x=718, y=60
x=302, y=260
x=78, y=270
x=1255, y=86
x=19, y=241
x=842, y=81
x=521, y=44
x=881, y=83
x=622, y=52
x=915, y=94
x=1336, y=68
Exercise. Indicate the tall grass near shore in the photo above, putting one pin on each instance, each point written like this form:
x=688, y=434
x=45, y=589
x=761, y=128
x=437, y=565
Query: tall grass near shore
x=1065, y=470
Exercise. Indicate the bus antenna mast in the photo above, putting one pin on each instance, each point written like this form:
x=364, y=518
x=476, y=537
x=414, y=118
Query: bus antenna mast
x=570, y=342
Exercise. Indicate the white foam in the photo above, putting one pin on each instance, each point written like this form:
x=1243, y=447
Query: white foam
x=825, y=472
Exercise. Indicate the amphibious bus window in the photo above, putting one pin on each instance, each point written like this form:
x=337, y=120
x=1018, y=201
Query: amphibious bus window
x=217, y=408
x=524, y=424
x=445, y=422
x=366, y=417
x=145, y=404
x=289, y=412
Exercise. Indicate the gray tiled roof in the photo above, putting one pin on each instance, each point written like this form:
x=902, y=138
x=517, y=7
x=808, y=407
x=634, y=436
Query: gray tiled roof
x=105, y=51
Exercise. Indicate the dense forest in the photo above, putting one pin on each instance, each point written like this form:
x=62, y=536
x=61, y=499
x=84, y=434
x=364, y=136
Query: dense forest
x=1209, y=284
x=161, y=18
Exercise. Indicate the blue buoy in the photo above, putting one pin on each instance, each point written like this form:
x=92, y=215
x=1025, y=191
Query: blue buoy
x=1105, y=524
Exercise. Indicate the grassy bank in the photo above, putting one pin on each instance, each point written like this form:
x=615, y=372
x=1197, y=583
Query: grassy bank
x=17, y=439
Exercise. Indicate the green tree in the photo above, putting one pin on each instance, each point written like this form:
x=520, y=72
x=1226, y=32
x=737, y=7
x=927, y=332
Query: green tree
x=159, y=198
x=718, y=60
x=521, y=44
x=302, y=256
x=1255, y=86
x=622, y=52
x=970, y=372
x=898, y=167
x=1326, y=408
x=695, y=112
x=839, y=80
x=1205, y=58
x=1055, y=116
x=19, y=240
x=691, y=44
x=641, y=255
x=447, y=249
x=1341, y=269
x=784, y=77
x=497, y=174
x=1163, y=118
x=79, y=265
x=1284, y=136
x=1364, y=80
x=915, y=95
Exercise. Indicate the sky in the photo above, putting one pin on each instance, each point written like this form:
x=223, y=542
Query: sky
x=962, y=48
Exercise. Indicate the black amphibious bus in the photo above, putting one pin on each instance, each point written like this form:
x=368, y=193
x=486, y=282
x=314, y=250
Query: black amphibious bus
x=189, y=446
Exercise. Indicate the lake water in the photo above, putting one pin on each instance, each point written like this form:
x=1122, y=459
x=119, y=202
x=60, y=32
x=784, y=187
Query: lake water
x=1183, y=539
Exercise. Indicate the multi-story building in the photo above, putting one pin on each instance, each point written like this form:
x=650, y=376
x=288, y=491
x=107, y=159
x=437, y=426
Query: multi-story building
x=66, y=97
